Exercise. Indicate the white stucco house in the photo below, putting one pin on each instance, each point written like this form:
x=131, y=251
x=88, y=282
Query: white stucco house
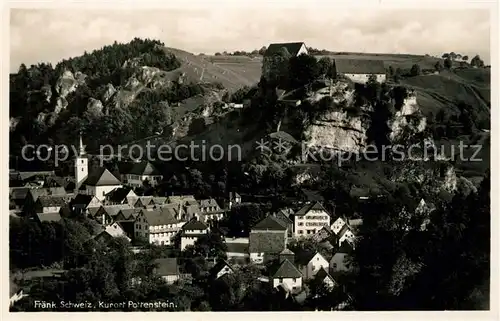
x=157, y=226
x=326, y=278
x=191, y=231
x=116, y=230
x=340, y=260
x=134, y=174
x=309, y=263
x=221, y=268
x=310, y=219
x=343, y=231
x=99, y=183
x=286, y=275
x=360, y=70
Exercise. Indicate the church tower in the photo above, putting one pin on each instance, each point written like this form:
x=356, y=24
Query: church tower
x=81, y=165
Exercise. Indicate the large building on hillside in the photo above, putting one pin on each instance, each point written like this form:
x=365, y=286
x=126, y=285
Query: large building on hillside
x=310, y=219
x=360, y=70
x=275, y=54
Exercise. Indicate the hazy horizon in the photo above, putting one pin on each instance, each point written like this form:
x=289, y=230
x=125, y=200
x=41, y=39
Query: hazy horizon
x=70, y=32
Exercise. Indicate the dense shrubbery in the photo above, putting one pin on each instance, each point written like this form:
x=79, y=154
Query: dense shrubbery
x=103, y=65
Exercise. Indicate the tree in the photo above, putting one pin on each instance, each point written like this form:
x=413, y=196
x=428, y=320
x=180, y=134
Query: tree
x=262, y=51
x=390, y=72
x=445, y=55
x=465, y=58
x=398, y=74
x=211, y=246
x=303, y=70
x=448, y=63
x=326, y=67
x=415, y=70
x=438, y=66
x=242, y=217
x=477, y=62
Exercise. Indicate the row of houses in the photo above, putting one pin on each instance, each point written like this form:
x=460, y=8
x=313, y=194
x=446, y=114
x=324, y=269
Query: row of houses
x=289, y=271
x=269, y=237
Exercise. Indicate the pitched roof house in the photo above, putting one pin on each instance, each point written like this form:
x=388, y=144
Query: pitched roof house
x=221, y=268
x=309, y=263
x=167, y=269
x=267, y=239
x=106, y=214
x=34, y=193
x=144, y=202
x=294, y=48
x=191, y=231
x=116, y=230
x=310, y=219
x=346, y=234
x=359, y=70
x=49, y=204
x=119, y=195
x=325, y=277
x=18, y=195
x=159, y=200
x=340, y=259
x=323, y=234
x=99, y=183
x=283, y=217
x=82, y=202
x=135, y=173
x=286, y=275
x=127, y=214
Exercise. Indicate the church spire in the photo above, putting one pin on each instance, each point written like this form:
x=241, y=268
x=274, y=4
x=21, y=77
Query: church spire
x=82, y=147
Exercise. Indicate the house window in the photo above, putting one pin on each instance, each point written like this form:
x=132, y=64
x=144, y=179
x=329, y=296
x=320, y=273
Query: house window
x=301, y=232
x=280, y=280
x=82, y=169
x=335, y=265
x=294, y=280
x=313, y=268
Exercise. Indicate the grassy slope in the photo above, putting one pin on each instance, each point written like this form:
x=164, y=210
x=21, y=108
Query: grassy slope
x=199, y=68
x=447, y=89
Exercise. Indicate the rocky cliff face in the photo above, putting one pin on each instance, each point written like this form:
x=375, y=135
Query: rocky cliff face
x=67, y=83
x=337, y=130
x=342, y=131
x=408, y=119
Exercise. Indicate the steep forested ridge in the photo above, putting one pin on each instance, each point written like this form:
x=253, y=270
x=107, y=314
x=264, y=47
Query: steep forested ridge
x=100, y=93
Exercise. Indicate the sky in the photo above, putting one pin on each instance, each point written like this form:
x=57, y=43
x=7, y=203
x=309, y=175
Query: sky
x=49, y=35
